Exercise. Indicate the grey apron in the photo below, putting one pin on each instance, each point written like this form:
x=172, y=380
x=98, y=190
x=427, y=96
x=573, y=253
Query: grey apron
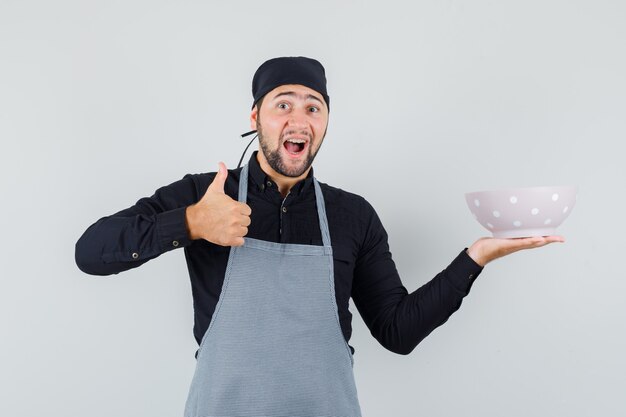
x=274, y=347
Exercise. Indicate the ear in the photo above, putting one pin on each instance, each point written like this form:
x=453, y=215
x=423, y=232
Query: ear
x=253, y=116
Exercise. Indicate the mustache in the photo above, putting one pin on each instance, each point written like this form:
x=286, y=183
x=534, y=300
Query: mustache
x=294, y=132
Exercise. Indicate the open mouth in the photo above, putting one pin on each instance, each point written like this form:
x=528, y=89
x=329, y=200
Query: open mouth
x=295, y=146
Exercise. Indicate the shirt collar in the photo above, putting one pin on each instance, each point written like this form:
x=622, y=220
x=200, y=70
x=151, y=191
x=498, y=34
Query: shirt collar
x=260, y=178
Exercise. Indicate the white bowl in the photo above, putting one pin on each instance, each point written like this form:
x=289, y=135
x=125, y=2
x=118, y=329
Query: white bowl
x=522, y=212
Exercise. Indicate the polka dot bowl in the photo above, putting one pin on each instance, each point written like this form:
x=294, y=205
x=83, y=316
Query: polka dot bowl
x=522, y=212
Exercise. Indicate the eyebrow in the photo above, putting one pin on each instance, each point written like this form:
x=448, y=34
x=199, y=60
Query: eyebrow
x=292, y=94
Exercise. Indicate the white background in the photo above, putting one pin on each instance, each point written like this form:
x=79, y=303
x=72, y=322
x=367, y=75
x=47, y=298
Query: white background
x=103, y=102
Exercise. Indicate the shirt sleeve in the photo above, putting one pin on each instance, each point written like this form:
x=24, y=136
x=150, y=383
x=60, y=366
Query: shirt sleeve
x=133, y=236
x=397, y=319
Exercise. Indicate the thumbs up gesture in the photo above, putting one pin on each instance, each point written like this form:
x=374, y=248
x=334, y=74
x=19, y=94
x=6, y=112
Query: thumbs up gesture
x=218, y=218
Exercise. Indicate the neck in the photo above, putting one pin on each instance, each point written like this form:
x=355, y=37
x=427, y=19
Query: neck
x=283, y=182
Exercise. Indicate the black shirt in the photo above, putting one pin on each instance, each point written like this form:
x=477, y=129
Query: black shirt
x=363, y=266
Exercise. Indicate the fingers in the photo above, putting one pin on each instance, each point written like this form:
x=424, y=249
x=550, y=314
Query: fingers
x=245, y=221
x=513, y=245
x=226, y=220
x=485, y=250
x=245, y=209
x=538, y=241
x=239, y=230
x=523, y=242
x=546, y=240
x=237, y=239
x=220, y=179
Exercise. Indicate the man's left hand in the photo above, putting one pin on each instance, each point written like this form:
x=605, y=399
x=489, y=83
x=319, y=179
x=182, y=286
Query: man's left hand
x=487, y=249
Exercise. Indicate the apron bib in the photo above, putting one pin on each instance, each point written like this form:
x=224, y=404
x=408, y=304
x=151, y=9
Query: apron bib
x=274, y=347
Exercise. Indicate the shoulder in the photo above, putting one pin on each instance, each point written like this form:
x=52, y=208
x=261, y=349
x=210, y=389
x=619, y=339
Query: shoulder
x=347, y=202
x=352, y=213
x=339, y=195
x=202, y=181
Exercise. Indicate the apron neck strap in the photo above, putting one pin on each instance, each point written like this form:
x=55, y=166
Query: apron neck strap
x=319, y=200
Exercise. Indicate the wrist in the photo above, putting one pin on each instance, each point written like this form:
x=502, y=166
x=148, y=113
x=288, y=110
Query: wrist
x=476, y=255
x=190, y=221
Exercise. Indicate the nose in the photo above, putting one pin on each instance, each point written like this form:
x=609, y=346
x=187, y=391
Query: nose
x=298, y=118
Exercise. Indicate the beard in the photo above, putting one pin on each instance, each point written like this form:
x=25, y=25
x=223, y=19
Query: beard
x=275, y=160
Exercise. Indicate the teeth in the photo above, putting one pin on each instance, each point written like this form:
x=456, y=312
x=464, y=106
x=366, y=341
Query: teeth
x=296, y=140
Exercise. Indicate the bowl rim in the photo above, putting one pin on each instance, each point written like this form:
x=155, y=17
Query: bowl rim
x=517, y=189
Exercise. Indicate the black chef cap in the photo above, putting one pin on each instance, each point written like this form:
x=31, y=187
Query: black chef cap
x=289, y=70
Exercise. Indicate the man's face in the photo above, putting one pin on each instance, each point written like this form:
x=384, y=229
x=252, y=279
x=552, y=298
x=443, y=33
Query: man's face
x=291, y=125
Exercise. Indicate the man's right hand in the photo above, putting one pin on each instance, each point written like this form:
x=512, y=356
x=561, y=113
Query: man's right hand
x=217, y=217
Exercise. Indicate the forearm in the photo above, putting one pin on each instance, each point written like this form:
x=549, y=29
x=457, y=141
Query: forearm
x=400, y=321
x=133, y=236
x=118, y=243
x=431, y=305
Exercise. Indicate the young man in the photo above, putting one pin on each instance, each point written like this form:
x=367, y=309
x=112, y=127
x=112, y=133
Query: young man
x=274, y=257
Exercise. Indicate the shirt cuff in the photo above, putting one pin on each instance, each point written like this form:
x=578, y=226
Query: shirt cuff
x=463, y=271
x=172, y=229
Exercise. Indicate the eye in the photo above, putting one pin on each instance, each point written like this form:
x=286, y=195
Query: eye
x=314, y=109
x=282, y=105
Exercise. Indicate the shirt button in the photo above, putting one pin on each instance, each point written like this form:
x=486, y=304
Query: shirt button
x=135, y=255
x=269, y=183
x=175, y=243
x=284, y=209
